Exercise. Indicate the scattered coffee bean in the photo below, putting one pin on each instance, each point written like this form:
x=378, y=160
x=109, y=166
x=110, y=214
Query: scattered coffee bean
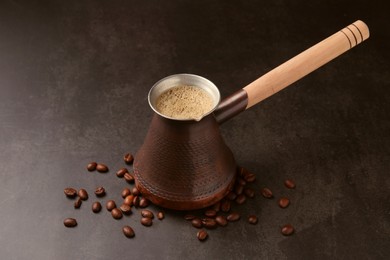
x=287, y=229
x=128, y=231
x=234, y=216
x=100, y=192
x=128, y=158
x=70, y=222
x=241, y=199
x=284, y=202
x=252, y=219
x=231, y=196
x=225, y=206
x=289, y=184
x=135, y=191
x=110, y=205
x=217, y=206
x=267, y=193
x=160, y=215
x=210, y=213
x=147, y=214
x=101, y=168
x=146, y=221
x=143, y=203
x=249, y=192
x=126, y=209
x=70, y=192
x=136, y=201
x=196, y=222
x=241, y=181
x=251, y=177
x=77, y=203
x=238, y=189
x=91, y=166
x=96, y=207
x=121, y=172
x=126, y=192
x=189, y=217
x=221, y=220
x=129, y=200
x=128, y=177
x=116, y=213
x=202, y=235
x=209, y=223
x=83, y=194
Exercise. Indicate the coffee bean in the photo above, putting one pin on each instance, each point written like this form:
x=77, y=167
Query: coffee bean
x=101, y=167
x=238, y=189
x=252, y=219
x=202, y=235
x=221, y=220
x=143, y=203
x=287, y=229
x=251, y=177
x=284, y=202
x=83, y=194
x=129, y=200
x=70, y=222
x=249, y=192
x=189, y=217
x=110, y=205
x=241, y=181
x=196, y=222
x=116, y=213
x=146, y=221
x=225, y=206
x=128, y=231
x=128, y=177
x=267, y=193
x=126, y=192
x=136, y=201
x=231, y=196
x=128, y=158
x=77, y=203
x=289, y=184
x=96, y=207
x=147, y=214
x=126, y=209
x=70, y=192
x=234, y=216
x=209, y=223
x=135, y=191
x=91, y=166
x=241, y=199
x=121, y=172
x=210, y=213
x=248, y=176
x=100, y=192
x=217, y=206
x=160, y=215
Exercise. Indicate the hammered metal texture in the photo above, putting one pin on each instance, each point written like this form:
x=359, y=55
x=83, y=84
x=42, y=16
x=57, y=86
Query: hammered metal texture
x=184, y=162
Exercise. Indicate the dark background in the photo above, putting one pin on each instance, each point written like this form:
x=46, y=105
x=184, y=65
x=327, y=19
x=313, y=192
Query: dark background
x=74, y=78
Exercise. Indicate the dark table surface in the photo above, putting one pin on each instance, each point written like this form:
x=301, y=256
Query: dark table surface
x=74, y=79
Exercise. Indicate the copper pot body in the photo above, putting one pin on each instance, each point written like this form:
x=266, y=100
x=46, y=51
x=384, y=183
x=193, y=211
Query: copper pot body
x=184, y=165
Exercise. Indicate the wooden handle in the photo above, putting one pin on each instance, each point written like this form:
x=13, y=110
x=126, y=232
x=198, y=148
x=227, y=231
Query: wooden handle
x=306, y=62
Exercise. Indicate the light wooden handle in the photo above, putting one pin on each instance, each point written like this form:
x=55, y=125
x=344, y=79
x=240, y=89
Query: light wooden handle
x=306, y=62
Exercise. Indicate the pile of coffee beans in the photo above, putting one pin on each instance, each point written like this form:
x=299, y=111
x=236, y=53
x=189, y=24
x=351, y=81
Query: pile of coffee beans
x=218, y=215
x=221, y=214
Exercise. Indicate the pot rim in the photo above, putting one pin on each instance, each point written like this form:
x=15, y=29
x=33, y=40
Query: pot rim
x=183, y=79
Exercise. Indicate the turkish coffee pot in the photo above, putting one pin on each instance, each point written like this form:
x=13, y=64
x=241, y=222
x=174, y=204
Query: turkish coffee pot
x=185, y=164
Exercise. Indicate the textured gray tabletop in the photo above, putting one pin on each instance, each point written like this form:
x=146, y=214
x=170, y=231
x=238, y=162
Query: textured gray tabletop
x=74, y=79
